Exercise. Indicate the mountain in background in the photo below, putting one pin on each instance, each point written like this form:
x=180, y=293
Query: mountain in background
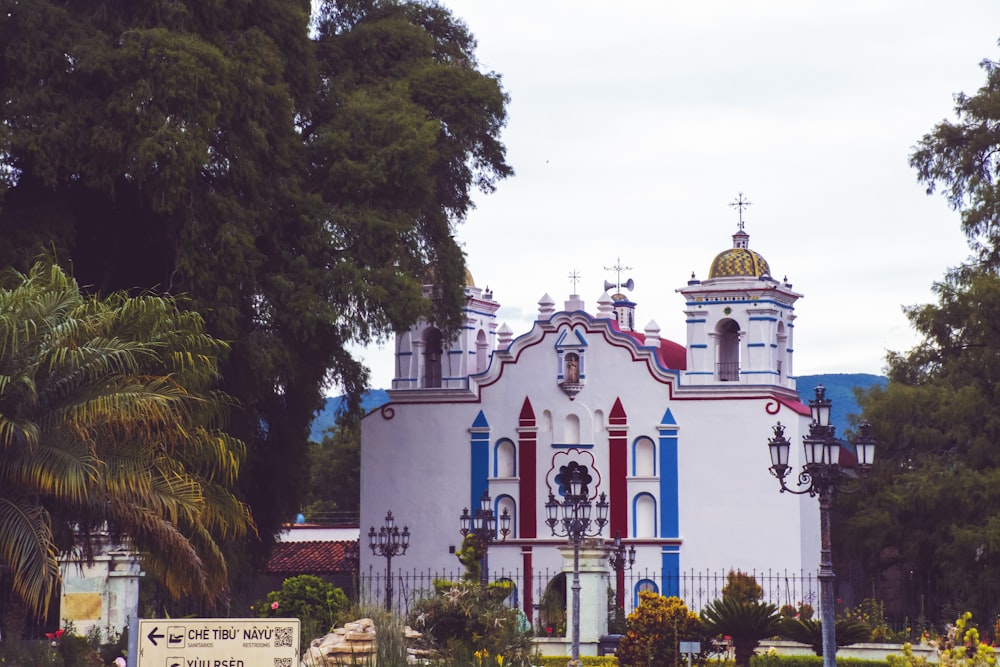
x=839, y=389
x=327, y=417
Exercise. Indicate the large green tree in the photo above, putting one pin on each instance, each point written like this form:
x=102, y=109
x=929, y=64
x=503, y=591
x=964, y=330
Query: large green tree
x=930, y=514
x=110, y=424
x=298, y=178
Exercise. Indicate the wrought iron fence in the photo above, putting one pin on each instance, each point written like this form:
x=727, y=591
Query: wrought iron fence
x=696, y=587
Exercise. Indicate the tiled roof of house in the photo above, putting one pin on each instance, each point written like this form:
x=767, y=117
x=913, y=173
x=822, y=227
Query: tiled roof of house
x=313, y=557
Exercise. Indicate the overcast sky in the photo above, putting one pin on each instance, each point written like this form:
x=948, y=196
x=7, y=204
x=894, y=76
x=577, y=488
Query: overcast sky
x=633, y=125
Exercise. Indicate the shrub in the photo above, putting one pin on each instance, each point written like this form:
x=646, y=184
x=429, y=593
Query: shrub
x=807, y=631
x=308, y=598
x=469, y=624
x=741, y=586
x=747, y=623
x=654, y=630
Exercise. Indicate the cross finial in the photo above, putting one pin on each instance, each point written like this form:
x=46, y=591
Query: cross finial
x=574, y=277
x=618, y=268
x=739, y=204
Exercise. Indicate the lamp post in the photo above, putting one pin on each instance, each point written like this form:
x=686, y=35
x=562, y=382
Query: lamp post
x=388, y=542
x=620, y=559
x=483, y=525
x=571, y=518
x=820, y=476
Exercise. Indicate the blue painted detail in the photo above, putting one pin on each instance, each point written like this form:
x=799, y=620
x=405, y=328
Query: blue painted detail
x=700, y=346
x=405, y=354
x=669, y=502
x=668, y=419
x=696, y=321
x=671, y=569
x=635, y=445
x=484, y=313
x=758, y=372
x=479, y=473
x=513, y=513
x=756, y=345
x=562, y=343
x=699, y=373
x=760, y=318
x=777, y=304
x=578, y=446
x=496, y=455
x=643, y=585
x=774, y=345
x=635, y=513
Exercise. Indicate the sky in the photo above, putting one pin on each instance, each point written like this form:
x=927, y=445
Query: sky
x=632, y=126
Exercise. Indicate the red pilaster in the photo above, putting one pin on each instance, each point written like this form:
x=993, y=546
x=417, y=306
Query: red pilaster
x=527, y=472
x=527, y=595
x=618, y=469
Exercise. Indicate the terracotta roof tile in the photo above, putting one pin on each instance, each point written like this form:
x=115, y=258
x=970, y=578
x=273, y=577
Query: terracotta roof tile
x=314, y=557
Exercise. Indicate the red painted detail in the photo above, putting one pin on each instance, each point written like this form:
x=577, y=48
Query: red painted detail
x=527, y=474
x=672, y=355
x=617, y=480
x=527, y=416
x=527, y=593
x=618, y=416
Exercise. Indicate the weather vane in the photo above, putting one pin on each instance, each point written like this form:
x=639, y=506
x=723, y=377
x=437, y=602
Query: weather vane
x=741, y=203
x=618, y=268
x=574, y=277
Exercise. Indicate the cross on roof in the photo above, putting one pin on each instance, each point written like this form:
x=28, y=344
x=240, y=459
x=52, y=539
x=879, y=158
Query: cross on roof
x=574, y=277
x=741, y=203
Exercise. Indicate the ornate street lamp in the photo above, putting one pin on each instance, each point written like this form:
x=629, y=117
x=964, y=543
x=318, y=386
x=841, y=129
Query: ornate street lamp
x=571, y=518
x=620, y=559
x=483, y=525
x=820, y=476
x=388, y=542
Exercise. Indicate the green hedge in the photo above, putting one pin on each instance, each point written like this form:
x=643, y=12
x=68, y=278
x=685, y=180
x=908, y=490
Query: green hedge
x=585, y=660
x=809, y=661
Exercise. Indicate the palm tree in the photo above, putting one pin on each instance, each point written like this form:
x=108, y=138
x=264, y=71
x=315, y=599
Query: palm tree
x=809, y=631
x=747, y=622
x=109, y=421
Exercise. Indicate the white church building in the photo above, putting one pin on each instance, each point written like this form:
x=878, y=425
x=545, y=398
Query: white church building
x=674, y=435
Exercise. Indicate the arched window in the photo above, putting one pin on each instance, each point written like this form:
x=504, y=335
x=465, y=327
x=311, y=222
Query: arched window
x=571, y=435
x=728, y=341
x=643, y=585
x=511, y=600
x=482, y=353
x=643, y=458
x=507, y=503
x=644, y=515
x=505, y=461
x=433, y=351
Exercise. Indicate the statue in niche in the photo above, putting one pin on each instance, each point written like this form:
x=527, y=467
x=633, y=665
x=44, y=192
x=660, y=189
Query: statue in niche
x=572, y=374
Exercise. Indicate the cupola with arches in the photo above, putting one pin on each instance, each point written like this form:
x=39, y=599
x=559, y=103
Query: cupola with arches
x=740, y=320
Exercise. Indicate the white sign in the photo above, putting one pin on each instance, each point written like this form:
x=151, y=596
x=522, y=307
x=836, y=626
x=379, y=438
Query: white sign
x=219, y=642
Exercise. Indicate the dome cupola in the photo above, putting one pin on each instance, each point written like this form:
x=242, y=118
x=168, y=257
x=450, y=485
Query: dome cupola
x=739, y=261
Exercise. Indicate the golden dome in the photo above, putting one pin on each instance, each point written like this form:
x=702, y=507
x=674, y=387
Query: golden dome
x=738, y=262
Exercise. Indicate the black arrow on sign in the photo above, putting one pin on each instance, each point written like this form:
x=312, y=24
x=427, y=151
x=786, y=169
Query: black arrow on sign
x=152, y=636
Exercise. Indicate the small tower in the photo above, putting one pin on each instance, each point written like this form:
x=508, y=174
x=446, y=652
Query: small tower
x=739, y=321
x=426, y=360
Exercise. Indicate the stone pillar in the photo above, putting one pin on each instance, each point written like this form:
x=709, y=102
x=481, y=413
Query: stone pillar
x=593, y=592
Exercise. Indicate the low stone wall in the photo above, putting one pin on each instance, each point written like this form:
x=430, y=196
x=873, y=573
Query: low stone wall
x=866, y=651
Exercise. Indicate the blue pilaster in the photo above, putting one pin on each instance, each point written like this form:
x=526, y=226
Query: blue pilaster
x=479, y=472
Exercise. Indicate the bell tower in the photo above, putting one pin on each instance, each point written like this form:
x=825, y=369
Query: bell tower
x=425, y=359
x=740, y=320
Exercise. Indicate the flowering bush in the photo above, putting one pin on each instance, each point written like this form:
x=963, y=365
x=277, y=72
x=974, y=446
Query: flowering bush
x=467, y=623
x=961, y=647
x=654, y=630
x=308, y=598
